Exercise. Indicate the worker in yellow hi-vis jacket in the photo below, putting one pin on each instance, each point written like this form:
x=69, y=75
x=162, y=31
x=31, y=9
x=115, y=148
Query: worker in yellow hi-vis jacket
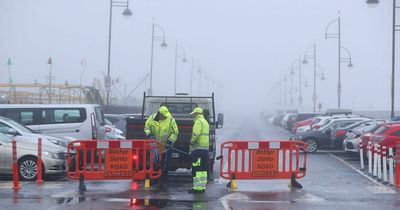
x=199, y=148
x=162, y=126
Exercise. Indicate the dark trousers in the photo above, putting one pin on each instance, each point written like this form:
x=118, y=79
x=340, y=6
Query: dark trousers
x=165, y=164
x=203, y=155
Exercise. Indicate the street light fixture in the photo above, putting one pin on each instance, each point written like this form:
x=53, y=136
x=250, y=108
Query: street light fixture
x=340, y=59
x=163, y=45
x=126, y=13
x=372, y=3
x=178, y=55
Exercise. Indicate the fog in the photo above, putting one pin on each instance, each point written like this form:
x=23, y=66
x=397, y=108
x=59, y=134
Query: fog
x=244, y=47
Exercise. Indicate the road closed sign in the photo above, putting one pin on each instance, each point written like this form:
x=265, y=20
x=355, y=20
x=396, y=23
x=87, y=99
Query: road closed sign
x=118, y=163
x=265, y=163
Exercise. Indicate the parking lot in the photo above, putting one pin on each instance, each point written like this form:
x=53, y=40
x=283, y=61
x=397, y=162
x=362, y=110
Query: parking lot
x=332, y=182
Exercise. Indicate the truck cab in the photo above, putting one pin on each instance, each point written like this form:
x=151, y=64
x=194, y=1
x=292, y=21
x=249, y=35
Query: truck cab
x=180, y=107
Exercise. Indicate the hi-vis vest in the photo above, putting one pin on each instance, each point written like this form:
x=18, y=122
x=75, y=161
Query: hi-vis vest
x=162, y=130
x=201, y=134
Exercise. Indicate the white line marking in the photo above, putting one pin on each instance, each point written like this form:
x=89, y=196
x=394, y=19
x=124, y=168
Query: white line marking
x=362, y=174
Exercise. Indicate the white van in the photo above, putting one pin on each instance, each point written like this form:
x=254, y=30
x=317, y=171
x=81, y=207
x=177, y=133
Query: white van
x=77, y=121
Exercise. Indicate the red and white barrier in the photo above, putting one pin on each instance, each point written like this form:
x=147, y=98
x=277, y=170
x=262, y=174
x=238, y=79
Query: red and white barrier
x=15, y=165
x=39, y=179
x=391, y=174
x=361, y=155
x=384, y=164
x=369, y=153
x=375, y=154
x=379, y=163
x=397, y=181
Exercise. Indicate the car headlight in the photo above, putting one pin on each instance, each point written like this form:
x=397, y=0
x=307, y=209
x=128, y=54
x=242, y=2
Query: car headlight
x=51, y=155
x=58, y=142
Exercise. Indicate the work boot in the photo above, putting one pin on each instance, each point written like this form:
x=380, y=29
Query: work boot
x=192, y=191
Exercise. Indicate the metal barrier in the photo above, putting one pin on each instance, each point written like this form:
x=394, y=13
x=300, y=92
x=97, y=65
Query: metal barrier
x=114, y=159
x=263, y=160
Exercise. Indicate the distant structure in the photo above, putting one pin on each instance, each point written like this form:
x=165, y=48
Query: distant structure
x=60, y=93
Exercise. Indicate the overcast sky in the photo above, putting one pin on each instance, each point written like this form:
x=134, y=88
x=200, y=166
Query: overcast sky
x=245, y=47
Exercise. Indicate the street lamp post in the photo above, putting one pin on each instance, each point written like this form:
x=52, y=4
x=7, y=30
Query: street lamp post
x=126, y=13
x=340, y=60
x=285, y=90
x=395, y=28
x=314, y=57
x=291, y=86
x=191, y=74
x=177, y=56
x=163, y=45
x=83, y=64
x=9, y=64
x=300, y=77
x=50, y=62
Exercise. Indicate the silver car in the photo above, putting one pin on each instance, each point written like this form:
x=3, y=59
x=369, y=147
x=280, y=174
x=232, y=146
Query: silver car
x=53, y=156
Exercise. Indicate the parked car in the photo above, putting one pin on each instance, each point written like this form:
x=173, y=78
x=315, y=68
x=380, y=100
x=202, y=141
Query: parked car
x=79, y=121
x=278, y=119
x=360, y=134
x=298, y=118
x=53, y=157
x=118, y=120
x=286, y=118
x=18, y=131
x=112, y=132
x=387, y=135
x=338, y=135
x=320, y=138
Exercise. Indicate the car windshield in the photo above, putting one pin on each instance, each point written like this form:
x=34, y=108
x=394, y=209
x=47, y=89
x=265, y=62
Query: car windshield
x=366, y=127
x=381, y=130
x=19, y=126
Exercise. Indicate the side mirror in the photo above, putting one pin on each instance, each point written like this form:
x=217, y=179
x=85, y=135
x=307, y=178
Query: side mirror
x=220, y=120
x=12, y=132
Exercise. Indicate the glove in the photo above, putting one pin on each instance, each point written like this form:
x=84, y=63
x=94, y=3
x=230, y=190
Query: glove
x=170, y=143
x=150, y=136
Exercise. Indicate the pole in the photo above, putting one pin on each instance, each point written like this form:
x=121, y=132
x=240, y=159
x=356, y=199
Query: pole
x=291, y=87
x=151, y=61
x=339, y=73
x=9, y=77
x=15, y=166
x=80, y=80
x=191, y=77
x=109, y=51
x=200, y=83
x=393, y=58
x=315, y=77
x=50, y=78
x=39, y=163
x=176, y=65
x=300, y=97
x=285, y=90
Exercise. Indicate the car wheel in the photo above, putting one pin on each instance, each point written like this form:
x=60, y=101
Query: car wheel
x=28, y=169
x=311, y=145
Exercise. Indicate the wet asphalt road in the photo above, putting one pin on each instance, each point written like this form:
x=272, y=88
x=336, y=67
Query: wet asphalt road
x=332, y=182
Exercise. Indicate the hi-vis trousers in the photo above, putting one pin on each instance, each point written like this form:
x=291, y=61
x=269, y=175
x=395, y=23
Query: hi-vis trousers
x=200, y=158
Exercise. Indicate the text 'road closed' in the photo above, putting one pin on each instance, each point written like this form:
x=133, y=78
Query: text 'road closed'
x=265, y=163
x=118, y=163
